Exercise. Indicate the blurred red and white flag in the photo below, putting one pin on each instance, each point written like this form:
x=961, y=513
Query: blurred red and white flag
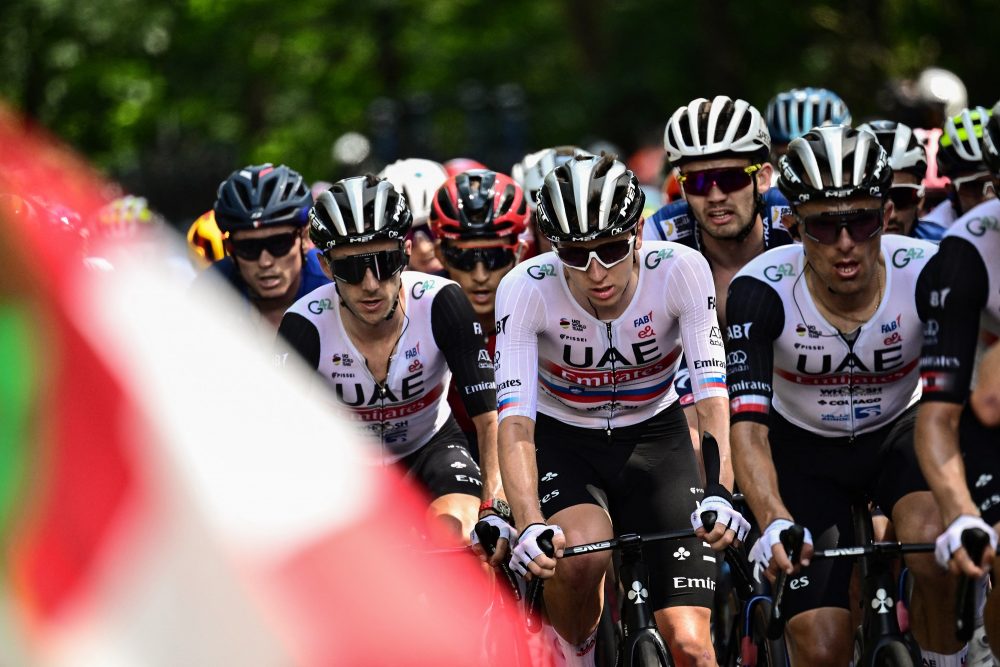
x=169, y=501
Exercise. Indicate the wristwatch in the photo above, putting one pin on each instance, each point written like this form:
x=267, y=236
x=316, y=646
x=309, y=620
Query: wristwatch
x=498, y=506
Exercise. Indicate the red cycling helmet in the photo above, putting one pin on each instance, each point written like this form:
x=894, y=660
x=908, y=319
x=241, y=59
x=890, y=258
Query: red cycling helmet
x=479, y=204
x=457, y=165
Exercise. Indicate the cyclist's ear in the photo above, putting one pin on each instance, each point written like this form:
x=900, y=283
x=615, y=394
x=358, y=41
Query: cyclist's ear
x=438, y=252
x=638, y=233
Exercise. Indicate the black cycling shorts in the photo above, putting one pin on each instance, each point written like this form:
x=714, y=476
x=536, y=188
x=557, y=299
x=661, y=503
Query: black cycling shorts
x=444, y=464
x=981, y=454
x=650, y=478
x=820, y=477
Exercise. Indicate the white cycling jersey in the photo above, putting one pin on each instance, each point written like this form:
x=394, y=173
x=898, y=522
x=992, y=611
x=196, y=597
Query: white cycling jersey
x=943, y=215
x=555, y=357
x=822, y=381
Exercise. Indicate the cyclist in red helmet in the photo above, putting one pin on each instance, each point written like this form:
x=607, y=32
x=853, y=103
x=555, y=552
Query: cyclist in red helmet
x=476, y=217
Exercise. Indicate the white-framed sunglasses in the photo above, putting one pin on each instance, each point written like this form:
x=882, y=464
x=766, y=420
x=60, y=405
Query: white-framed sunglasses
x=607, y=254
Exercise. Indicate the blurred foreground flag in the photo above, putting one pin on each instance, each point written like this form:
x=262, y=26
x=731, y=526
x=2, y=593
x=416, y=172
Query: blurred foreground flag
x=164, y=502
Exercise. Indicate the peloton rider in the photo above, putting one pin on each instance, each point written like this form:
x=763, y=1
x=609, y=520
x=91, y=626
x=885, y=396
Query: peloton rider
x=588, y=341
x=960, y=158
x=794, y=112
x=386, y=341
x=958, y=295
x=418, y=180
x=476, y=218
x=822, y=361
x=730, y=212
x=263, y=210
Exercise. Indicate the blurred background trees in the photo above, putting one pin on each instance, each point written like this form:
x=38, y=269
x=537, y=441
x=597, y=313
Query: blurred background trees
x=169, y=96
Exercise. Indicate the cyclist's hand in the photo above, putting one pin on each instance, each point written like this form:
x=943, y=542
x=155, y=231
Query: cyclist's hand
x=730, y=526
x=528, y=556
x=770, y=554
x=950, y=553
x=502, y=531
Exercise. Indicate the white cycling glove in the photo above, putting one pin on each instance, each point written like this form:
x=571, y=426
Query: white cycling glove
x=761, y=552
x=950, y=540
x=527, y=548
x=725, y=514
x=496, y=522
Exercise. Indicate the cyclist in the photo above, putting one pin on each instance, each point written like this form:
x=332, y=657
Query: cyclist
x=263, y=211
x=588, y=341
x=822, y=369
x=794, y=112
x=418, y=179
x=729, y=212
x=476, y=218
x=386, y=341
x=908, y=160
x=529, y=173
x=958, y=295
x=960, y=158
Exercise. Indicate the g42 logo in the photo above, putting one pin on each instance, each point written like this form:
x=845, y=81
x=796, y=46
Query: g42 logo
x=540, y=271
x=776, y=272
x=979, y=226
x=419, y=288
x=317, y=307
x=902, y=257
x=653, y=259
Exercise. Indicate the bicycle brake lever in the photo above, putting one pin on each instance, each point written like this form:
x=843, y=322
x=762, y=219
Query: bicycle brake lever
x=532, y=617
x=974, y=541
x=791, y=540
x=488, y=537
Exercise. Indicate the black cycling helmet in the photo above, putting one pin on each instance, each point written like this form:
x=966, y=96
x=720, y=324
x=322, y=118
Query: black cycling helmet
x=262, y=196
x=358, y=210
x=587, y=198
x=991, y=142
x=834, y=162
x=906, y=153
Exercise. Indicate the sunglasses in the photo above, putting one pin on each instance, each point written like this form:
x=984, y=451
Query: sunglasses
x=384, y=264
x=728, y=179
x=465, y=259
x=276, y=246
x=905, y=196
x=607, y=254
x=860, y=225
x=974, y=184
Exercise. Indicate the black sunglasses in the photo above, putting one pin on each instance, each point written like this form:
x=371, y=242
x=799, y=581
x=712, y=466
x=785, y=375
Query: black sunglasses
x=384, y=264
x=825, y=228
x=277, y=245
x=465, y=259
x=905, y=196
x=729, y=179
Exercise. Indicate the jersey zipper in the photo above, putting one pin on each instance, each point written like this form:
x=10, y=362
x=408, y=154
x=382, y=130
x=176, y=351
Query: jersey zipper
x=614, y=382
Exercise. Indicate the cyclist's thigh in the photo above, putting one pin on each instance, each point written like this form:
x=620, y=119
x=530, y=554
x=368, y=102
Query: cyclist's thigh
x=981, y=454
x=444, y=466
x=899, y=470
x=569, y=460
x=657, y=491
x=811, y=474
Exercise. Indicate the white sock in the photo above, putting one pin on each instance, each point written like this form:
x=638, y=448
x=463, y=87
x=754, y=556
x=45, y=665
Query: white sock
x=578, y=655
x=932, y=659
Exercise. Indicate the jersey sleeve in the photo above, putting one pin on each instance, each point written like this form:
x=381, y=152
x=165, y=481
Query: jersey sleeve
x=520, y=315
x=756, y=318
x=691, y=298
x=951, y=292
x=459, y=335
x=299, y=335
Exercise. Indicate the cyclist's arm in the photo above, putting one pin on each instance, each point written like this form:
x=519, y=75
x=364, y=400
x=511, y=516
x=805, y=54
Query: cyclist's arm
x=459, y=336
x=520, y=313
x=755, y=318
x=691, y=297
x=950, y=295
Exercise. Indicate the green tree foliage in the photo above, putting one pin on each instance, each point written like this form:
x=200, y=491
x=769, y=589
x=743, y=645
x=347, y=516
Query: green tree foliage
x=171, y=95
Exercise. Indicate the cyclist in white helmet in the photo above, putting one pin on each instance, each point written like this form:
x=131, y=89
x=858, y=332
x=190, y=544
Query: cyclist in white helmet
x=418, y=180
x=908, y=160
x=792, y=113
x=588, y=341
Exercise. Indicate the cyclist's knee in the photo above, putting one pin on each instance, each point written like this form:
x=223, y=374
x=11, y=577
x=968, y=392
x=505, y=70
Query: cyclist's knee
x=452, y=517
x=686, y=630
x=820, y=637
x=581, y=574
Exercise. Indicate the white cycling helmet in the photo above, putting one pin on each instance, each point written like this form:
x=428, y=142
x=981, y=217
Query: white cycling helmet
x=530, y=172
x=794, y=112
x=418, y=180
x=720, y=128
x=960, y=146
x=906, y=153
